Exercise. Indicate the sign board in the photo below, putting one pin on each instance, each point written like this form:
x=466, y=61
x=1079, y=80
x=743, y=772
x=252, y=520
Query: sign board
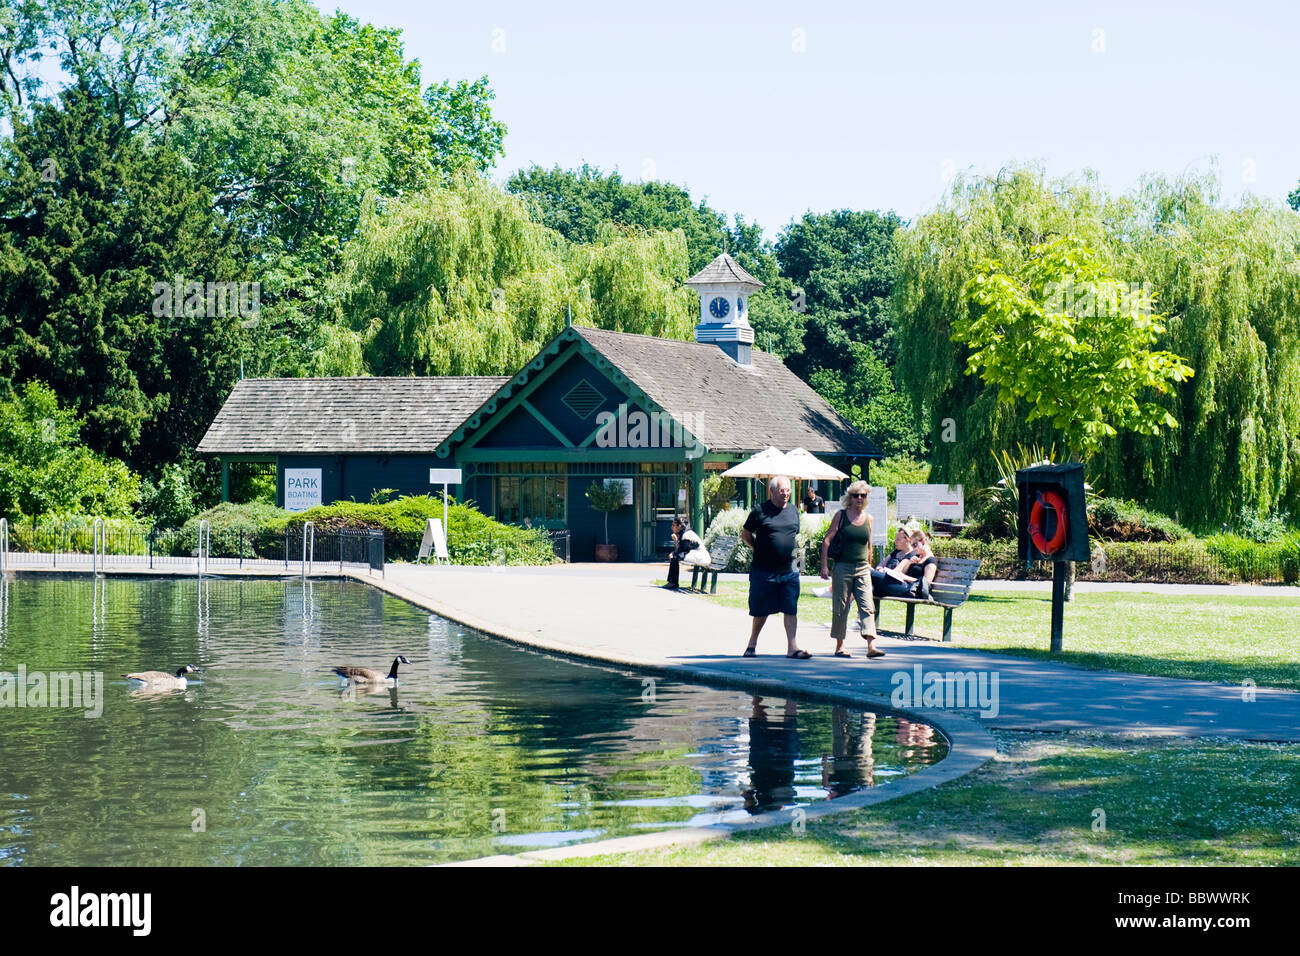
x=444, y=476
x=877, y=507
x=434, y=542
x=625, y=484
x=931, y=502
x=301, y=488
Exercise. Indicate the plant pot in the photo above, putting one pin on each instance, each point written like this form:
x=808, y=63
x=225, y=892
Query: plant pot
x=606, y=552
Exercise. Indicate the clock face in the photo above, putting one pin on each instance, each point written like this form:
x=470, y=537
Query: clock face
x=719, y=308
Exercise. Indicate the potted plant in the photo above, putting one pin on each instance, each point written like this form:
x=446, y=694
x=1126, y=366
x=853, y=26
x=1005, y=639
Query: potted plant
x=605, y=497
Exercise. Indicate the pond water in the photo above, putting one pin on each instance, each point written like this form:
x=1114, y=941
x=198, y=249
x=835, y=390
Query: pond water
x=483, y=748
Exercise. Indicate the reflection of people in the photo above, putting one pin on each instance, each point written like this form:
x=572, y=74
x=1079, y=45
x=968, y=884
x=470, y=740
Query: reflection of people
x=813, y=504
x=850, y=765
x=772, y=530
x=773, y=750
x=917, y=737
x=684, y=542
x=852, y=580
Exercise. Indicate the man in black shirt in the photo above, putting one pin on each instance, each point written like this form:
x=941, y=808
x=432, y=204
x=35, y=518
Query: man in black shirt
x=813, y=503
x=772, y=530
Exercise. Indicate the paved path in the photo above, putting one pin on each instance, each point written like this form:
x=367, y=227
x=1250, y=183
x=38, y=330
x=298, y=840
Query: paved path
x=617, y=616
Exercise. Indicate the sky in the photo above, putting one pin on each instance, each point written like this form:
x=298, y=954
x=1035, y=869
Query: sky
x=770, y=110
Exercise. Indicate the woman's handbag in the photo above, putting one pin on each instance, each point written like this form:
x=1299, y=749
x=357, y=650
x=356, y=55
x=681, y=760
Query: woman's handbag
x=837, y=543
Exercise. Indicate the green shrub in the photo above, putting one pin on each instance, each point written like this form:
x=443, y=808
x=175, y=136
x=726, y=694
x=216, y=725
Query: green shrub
x=812, y=530
x=1245, y=559
x=472, y=537
x=1271, y=527
x=899, y=470
x=1113, y=519
x=256, y=527
x=1288, y=554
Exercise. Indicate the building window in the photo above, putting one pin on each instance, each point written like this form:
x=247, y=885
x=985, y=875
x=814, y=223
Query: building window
x=539, y=498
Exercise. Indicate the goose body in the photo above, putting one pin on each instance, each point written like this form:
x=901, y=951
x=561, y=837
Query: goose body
x=364, y=675
x=161, y=679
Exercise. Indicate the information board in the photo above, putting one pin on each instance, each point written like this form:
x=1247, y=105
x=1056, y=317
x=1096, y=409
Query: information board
x=931, y=502
x=302, y=488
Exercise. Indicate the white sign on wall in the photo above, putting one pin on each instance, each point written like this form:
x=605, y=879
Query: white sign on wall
x=301, y=488
x=931, y=502
x=877, y=507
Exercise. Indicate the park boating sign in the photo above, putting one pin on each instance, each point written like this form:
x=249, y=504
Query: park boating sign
x=302, y=488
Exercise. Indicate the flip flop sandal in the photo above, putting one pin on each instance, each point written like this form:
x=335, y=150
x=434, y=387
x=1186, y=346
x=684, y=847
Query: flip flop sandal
x=842, y=654
x=875, y=654
x=800, y=655
x=749, y=652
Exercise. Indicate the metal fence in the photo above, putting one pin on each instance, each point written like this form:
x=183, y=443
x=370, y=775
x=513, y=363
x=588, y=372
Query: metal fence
x=1179, y=562
x=97, y=545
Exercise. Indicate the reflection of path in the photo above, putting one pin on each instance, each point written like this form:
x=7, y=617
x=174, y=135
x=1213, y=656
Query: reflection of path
x=773, y=749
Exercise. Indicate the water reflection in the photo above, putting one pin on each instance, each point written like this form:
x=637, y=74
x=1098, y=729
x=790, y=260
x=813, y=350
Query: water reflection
x=291, y=768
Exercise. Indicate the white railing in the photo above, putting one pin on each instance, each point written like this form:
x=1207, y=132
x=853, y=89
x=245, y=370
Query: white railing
x=98, y=547
x=205, y=546
x=308, y=547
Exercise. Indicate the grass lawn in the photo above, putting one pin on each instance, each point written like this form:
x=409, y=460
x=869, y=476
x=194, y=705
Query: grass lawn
x=1226, y=639
x=1037, y=803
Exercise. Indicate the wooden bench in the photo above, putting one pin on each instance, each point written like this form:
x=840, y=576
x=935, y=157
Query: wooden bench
x=724, y=546
x=949, y=590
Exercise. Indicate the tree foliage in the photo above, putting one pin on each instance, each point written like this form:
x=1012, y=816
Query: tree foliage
x=459, y=280
x=1224, y=277
x=1070, y=341
x=46, y=471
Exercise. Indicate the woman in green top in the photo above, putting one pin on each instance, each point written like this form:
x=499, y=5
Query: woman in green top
x=852, y=580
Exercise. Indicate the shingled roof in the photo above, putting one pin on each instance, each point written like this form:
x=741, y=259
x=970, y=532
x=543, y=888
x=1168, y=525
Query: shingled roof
x=338, y=415
x=733, y=408
x=724, y=269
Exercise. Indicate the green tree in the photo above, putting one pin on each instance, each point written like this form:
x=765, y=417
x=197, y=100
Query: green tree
x=1072, y=342
x=45, y=470
x=841, y=265
x=459, y=280
x=94, y=219
x=1224, y=277
x=867, y=398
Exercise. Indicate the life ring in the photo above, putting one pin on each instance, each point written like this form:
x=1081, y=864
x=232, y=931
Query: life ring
x=1036, y=523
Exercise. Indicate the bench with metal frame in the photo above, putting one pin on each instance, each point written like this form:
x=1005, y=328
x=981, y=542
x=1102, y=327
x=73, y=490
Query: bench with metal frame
x=949, y=590
x=724, y=546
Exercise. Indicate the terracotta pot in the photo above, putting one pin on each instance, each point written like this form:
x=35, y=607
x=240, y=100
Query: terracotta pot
x=606, y=552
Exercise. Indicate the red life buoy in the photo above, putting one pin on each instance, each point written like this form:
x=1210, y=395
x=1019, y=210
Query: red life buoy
x=1036, y=522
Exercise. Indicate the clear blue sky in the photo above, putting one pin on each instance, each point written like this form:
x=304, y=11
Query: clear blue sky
x=770, y=110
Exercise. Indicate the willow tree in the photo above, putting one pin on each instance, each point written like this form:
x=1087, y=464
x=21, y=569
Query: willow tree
x=459, y=280
x=1224, y=277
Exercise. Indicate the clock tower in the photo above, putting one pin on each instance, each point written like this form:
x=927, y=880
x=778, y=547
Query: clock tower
x=724, y=288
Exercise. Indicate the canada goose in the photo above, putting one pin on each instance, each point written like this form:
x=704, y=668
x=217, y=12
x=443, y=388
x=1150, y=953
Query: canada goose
x=159, y=680
x=364, y=675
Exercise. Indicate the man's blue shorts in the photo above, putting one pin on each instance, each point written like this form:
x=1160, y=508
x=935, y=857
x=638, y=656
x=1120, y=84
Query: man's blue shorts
x=771, y=593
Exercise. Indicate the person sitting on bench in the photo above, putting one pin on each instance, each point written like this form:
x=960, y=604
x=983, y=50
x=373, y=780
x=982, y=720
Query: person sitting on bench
x=902, y=551
x=912, y=576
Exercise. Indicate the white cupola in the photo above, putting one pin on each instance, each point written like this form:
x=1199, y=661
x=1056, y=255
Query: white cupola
x=724, y=288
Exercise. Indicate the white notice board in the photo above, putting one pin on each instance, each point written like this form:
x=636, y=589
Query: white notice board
x=931, y=502
x=434, y=542
x=877, y=505
x=301, y=488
